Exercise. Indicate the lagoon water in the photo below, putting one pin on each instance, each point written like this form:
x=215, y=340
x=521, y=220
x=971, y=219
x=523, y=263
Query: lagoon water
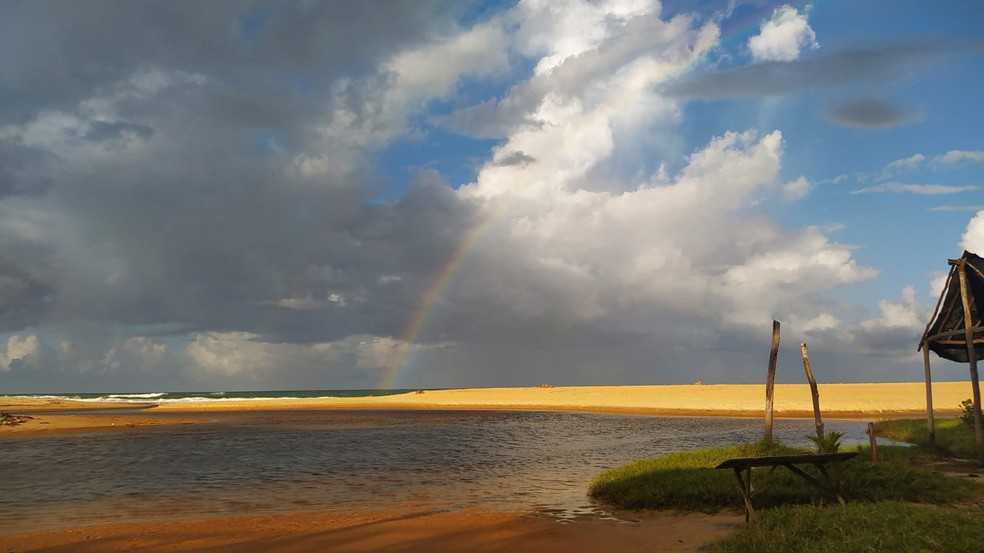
x=270, y=462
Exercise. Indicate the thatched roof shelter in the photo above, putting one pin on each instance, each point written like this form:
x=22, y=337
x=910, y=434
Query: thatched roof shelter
x=946, y=333
x=956, y=331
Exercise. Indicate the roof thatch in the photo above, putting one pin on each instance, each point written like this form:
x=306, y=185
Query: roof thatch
x=946, y=332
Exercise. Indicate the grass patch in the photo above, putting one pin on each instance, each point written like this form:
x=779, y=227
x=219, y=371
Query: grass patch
x=859, y=527
x=684, y=480
x=892, y=506
x=687, y=481
x=953, y=437
x=894, y=478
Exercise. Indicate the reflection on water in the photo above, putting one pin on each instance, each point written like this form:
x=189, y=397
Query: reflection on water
x=286, y=461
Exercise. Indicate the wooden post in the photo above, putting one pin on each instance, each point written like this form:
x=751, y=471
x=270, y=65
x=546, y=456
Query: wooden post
x=930, y=421
x=971, y=356
x=770, y=381
x=813, y=390
x=873, y=442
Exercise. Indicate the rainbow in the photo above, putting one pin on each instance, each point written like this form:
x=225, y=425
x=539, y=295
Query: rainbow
x=400, y=354
x=418, y=320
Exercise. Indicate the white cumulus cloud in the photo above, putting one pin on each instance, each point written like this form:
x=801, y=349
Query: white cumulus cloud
x=783, y=37
x=906, y=313
x=797, y=189
x=25, y=350
x=137, y=353
x=973, y=237
x=957, y=156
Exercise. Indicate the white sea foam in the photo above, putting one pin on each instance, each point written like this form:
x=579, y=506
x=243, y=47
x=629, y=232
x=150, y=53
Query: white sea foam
x=152, y=395
x=196, y=399
x=161, y=398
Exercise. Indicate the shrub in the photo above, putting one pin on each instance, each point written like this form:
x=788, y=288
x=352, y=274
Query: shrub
x=968, y=412
x=830, y=442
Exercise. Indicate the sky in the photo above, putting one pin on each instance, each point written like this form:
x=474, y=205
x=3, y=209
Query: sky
x=259, y=195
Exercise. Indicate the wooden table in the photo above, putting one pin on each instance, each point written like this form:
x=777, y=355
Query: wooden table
x=743, y=472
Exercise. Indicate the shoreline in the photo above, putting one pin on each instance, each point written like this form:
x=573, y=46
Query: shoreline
x=409, y=530
x=859, y=401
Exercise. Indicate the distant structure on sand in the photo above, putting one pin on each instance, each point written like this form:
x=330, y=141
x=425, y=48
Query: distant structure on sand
x=956, y=331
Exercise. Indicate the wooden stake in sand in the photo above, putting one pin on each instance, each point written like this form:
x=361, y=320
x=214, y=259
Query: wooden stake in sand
x=770, y=381
x=873, y=442
x=813, y=390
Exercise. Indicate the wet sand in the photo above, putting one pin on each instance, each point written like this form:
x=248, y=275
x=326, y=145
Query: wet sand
x=411, y=531
x=58, y=415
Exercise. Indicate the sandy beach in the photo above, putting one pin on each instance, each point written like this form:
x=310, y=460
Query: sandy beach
x=791, y=400
x=854, y=401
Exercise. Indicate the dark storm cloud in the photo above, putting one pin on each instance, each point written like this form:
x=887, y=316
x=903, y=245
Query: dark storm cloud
x=870, y=114
x=54, y=53
x=219, y=256
x=23, y=298
x=22, y=170
x=843, y=67
x=886, y=342
x=102, y=131
x=388, y=257
x=201, y=224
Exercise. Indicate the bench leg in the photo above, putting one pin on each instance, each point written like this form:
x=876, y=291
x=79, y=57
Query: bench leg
x=833, y=482
x=822, y=486
x=745, y=485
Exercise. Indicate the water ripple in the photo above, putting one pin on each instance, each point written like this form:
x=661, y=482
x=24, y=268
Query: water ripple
x=275, y=462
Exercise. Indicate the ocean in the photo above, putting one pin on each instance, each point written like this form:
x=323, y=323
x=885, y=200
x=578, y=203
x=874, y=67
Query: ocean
x=178, y=397
x=272, y=462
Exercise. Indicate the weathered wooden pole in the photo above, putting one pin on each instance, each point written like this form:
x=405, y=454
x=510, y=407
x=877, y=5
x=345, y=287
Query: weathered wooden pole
x=971, y=354
x=813, y=390
x=873, y=442
x=930, y=421
x=770, y=381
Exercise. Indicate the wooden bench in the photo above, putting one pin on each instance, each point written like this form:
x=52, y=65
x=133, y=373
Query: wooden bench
x=743, y=472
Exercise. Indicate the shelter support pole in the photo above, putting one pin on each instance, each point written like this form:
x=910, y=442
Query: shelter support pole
x=971, y=356
x=929, y=394
x=770, y=381
x=814, y=391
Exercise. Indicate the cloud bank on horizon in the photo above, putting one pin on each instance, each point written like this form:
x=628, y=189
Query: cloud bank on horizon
x=287, y=195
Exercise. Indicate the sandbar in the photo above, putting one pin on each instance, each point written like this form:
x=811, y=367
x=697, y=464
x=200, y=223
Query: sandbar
x=870, y=401
x=877, y=400
x=47, y=415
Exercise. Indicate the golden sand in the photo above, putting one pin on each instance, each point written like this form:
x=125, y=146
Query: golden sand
x=791, y=400
x=859, y=401
x=865, y=401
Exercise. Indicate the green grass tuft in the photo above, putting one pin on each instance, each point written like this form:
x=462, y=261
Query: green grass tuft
x=859, y=528
x=953, y=437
